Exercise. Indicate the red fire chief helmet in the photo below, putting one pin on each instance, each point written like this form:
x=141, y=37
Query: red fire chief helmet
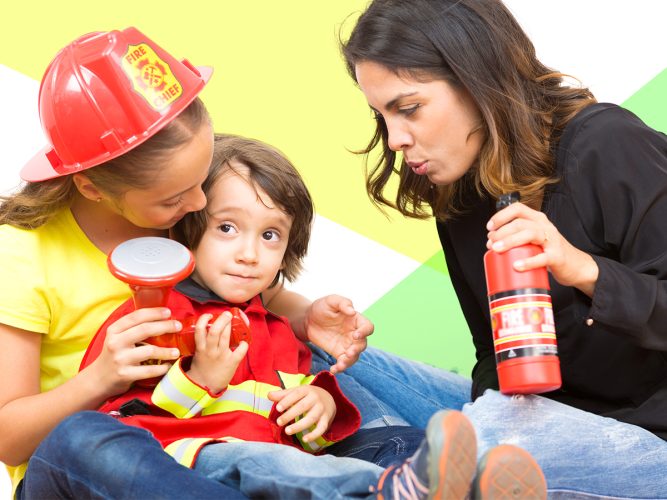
x=104, y=94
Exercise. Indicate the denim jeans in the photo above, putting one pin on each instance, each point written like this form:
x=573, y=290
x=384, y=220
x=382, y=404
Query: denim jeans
x=268, y=470
x=348, y=470
x=390, y=390
x=93, y=456
x=583, y=455
x=383, y=446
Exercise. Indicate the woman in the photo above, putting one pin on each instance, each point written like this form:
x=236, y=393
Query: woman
x=131, y=145
x=465, y=112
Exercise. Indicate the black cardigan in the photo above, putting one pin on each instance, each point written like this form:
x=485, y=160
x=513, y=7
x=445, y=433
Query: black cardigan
x=611, y=202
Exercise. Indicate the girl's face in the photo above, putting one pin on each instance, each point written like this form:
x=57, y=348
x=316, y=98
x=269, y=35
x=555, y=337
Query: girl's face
x=177, y=189
x=435, y=125
x=243, y=246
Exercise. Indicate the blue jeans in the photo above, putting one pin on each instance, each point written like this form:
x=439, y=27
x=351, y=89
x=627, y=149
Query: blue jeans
x=348, y=470
x=92, y=455
x=383, y=446
x=268, y=470
x=389, y=390
x=582, y=455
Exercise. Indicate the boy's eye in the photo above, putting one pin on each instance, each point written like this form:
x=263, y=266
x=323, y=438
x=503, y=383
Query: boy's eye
x=270, y=235
x=226, y=228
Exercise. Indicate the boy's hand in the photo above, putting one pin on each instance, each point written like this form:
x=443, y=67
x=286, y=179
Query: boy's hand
x=214, y=363
x=333, y=324
x=316, y=406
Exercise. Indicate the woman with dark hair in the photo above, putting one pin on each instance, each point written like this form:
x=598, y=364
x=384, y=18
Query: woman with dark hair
x=466, y=112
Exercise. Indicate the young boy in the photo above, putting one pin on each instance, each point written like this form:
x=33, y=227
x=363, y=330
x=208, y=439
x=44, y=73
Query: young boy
x=253, y=232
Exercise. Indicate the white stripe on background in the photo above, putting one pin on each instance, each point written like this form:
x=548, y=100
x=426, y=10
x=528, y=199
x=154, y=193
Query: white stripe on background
x=20, y=131
x=347, y=263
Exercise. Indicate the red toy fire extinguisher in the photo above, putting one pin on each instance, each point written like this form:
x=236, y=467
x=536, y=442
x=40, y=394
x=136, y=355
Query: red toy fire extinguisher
x=522, y=320
x=152, y=266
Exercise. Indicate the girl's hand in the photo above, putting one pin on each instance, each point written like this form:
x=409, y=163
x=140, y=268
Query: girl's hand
x=333, y=324
x=124, y=353
x=316, y=406
x=518, y=224
x=214, y=363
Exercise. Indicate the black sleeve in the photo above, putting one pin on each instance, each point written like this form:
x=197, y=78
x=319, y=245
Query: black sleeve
x=617, y=175
x=484, y=374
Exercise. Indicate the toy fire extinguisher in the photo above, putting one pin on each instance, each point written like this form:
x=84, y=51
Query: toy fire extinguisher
x=522, y=320
x=152, y=266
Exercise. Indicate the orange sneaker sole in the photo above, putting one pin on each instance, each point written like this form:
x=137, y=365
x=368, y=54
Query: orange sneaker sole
x=452, y=439
x=510, y=473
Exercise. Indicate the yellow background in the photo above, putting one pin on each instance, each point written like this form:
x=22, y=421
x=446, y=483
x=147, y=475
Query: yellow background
x=278, y=77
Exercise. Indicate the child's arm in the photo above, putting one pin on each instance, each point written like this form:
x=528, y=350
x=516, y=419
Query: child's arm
x=330, y=323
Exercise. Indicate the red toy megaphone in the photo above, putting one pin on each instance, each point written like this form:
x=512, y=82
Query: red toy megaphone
x=152, y=266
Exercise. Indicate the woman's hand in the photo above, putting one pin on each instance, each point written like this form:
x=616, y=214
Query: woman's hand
x=333, y=324
x=315, y=405
x=126, y=358
x=214, y=363
x=518, y=225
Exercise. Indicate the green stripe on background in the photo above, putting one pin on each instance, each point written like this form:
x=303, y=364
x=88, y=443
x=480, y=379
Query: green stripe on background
x=420, y=319
x=650, y=102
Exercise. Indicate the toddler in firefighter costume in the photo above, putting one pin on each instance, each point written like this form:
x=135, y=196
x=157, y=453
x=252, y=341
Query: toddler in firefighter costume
x=255, y=230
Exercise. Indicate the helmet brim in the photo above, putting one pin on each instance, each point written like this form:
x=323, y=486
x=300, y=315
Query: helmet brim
x=40, y=167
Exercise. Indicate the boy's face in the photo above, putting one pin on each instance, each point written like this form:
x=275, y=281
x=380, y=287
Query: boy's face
x=243, y=246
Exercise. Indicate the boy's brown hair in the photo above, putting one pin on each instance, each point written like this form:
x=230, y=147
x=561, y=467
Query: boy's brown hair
x=271, y=171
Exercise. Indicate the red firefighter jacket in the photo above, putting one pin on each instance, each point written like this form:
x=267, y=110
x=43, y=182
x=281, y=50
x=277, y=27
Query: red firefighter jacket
x=184, y=416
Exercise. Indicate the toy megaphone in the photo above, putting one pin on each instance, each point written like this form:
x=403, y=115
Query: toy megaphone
x=152, y=266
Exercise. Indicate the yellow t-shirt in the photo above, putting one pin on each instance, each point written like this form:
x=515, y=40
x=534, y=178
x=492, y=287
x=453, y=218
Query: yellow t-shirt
x=56, y=282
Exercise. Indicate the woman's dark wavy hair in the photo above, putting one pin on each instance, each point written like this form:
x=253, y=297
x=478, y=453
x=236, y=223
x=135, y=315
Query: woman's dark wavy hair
x=477, y=46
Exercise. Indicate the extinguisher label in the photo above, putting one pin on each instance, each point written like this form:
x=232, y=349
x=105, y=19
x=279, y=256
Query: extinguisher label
x=151, y=77
x=523, y=324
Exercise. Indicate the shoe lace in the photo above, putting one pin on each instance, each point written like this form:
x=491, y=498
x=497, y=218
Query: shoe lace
x=406, y=484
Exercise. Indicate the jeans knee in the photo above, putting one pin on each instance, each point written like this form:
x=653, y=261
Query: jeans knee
x=90, y=435
x=74, y=431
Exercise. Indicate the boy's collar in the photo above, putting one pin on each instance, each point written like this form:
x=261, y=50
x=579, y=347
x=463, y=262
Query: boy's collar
x=194, y=291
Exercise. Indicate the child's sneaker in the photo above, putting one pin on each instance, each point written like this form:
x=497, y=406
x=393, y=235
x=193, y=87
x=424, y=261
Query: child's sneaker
x=508, y=472
x=442, y=467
